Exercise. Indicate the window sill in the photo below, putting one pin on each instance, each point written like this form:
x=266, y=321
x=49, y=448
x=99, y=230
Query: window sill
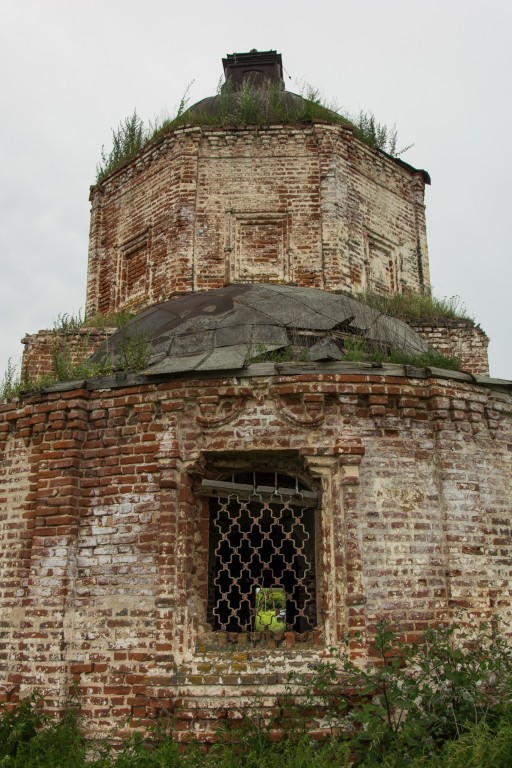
x=236, y=641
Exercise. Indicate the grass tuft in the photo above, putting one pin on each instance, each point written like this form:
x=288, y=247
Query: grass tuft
x=117, y=319
x=357, y=349
x=248, y=105
x=417, y=306
x=69, y=323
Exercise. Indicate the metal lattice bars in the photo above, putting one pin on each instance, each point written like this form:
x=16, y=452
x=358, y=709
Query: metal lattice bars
x=257, y=543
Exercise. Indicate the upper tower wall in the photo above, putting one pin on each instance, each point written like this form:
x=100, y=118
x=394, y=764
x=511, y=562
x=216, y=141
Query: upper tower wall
x=303, y=204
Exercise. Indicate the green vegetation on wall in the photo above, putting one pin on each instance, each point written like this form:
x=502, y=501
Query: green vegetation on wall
x=417, y=306
x=249, y=105
x=133, y=354
x=72, y=364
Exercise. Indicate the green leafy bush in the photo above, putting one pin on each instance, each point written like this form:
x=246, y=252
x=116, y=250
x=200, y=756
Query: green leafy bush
x=412, y=699
x=30, y=738
x=444, y=701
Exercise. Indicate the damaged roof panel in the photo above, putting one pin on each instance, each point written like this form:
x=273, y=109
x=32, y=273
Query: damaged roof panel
x=225, y=328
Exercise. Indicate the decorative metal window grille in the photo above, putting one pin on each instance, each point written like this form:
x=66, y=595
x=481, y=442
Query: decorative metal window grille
x=261, y=535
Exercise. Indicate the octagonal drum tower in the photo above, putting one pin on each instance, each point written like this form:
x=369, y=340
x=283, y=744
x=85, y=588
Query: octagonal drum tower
x=149, y=519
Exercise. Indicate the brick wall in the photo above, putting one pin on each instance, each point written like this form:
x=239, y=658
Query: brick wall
x=105, y=532
x=40, y=348
x=202, y=207
x=457, y=338
x=14, y=489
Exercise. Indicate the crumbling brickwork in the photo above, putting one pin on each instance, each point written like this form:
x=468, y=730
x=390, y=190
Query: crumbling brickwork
x=106, y=540
x=304, y=204
x=41, y=349
x=457, y=338
x=122, y=499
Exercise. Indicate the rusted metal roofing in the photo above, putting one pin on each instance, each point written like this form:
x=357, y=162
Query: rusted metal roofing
x=229, y=327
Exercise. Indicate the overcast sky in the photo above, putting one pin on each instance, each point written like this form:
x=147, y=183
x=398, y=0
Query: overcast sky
x=73, y=69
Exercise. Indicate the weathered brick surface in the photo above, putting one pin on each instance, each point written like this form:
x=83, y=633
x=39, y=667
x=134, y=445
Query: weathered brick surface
x=40, y=349
x=305, y=204
x=457, y=338
x=104, y=533
x=103, y=527
x=14, y=490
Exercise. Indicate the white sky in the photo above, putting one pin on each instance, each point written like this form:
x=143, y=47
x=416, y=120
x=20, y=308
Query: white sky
x=73, y=69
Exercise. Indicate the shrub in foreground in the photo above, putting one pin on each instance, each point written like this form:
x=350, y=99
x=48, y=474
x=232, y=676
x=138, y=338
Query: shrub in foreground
x=444, y=701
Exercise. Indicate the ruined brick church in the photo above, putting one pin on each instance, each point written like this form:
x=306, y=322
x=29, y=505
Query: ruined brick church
x=142, y=513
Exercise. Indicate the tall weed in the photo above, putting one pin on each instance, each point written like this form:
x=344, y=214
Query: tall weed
x=10, y=384
x=127, y=140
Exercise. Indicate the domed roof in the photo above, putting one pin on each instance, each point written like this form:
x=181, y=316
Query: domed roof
x=225, y=105
x=228, y=328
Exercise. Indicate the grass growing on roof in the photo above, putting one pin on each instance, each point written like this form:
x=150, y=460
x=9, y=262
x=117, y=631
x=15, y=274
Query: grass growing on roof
x=419, y=306
x=357, y=349
x=249, y=105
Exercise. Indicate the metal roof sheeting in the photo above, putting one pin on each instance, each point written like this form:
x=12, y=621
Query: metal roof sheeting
x=228, y=327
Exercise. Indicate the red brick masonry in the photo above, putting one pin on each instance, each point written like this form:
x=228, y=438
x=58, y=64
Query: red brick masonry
x=203, y=207
x=103, y=546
